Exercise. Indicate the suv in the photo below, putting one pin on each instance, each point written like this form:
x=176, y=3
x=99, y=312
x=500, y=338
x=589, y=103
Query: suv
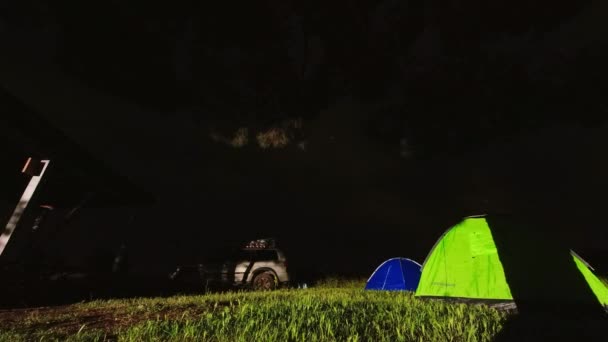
x=259, y=265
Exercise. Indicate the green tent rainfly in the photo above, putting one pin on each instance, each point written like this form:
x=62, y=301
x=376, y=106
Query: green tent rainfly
x=489, y=259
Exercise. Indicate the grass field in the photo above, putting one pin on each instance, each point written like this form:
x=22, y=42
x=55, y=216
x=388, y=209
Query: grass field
x=333, y=310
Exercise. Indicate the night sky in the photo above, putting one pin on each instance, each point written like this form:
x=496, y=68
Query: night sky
x=497, y=117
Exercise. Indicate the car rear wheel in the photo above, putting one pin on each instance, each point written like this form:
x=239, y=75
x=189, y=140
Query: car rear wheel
x=265, y=281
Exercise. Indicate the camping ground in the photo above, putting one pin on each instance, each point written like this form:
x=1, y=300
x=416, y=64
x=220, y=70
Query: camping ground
x=331, y=310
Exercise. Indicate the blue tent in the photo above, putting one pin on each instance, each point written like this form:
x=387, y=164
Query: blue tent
x=396, y=274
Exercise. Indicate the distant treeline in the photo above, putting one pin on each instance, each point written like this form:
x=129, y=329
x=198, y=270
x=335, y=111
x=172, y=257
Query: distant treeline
x=457, y=65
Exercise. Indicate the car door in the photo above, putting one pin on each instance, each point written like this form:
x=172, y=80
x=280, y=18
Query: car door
x=242, y=266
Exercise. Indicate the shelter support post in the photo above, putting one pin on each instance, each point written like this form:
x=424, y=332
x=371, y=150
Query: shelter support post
x=25, y=199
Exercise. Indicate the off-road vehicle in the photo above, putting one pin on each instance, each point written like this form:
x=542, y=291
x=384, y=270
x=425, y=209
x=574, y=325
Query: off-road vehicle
x=258, y=265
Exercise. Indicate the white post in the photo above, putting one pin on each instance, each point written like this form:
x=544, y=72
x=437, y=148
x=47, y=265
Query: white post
x=23, y=202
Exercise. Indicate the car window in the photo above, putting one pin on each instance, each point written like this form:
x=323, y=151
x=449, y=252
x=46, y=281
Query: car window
x=241, y=255
x=266, y=255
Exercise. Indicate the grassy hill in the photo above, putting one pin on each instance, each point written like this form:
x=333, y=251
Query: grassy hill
x=334, y=310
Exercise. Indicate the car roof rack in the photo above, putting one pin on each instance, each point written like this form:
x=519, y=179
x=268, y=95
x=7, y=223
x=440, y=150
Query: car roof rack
x=266, y=243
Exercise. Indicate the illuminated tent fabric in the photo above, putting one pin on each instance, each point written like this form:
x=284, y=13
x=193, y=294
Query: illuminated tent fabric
x=494, y=259
x=396, y=274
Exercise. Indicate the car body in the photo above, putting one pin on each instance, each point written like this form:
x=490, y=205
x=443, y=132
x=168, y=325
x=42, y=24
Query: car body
x=259, y=265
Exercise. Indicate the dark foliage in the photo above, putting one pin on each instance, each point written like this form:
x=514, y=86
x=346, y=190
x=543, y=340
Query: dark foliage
x=259, y=63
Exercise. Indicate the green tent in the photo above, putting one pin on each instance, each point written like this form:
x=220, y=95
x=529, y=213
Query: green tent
x=496, y=260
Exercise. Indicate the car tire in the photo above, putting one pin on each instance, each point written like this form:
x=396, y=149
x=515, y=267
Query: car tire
x=265, y=281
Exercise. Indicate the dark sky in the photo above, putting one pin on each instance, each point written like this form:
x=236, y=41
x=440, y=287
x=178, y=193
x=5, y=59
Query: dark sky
x=348, y=202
